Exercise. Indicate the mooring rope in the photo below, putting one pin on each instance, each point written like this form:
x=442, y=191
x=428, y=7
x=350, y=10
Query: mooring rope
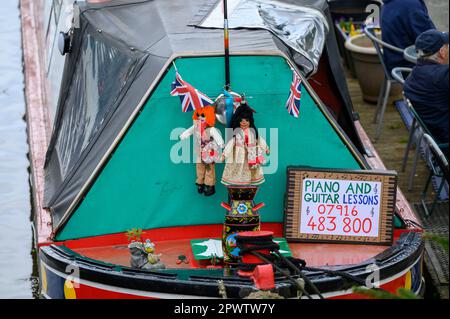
x=252, y=245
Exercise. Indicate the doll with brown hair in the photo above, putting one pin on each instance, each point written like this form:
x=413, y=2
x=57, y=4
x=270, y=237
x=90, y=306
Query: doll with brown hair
x=208, y=143
x=244, y=153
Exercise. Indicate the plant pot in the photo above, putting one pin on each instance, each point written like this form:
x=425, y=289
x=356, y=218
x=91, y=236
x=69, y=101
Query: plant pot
x=348, y=10
x=355, y=9
x=341, y=38
x=368, y=68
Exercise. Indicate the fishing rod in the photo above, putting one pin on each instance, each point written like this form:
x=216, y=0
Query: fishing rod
x=226, y=45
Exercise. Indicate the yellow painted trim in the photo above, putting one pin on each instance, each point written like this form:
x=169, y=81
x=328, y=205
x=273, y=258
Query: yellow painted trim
x=44, y=285
x=408, y=280
x=69, y=290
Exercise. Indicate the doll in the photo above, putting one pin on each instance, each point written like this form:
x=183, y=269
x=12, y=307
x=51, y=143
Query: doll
x=208, y=143
x=244, y=152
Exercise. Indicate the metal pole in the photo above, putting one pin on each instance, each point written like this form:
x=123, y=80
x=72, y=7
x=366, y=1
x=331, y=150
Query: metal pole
x=227, y=45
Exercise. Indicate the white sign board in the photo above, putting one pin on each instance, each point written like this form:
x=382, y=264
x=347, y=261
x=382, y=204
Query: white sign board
x=340, y=206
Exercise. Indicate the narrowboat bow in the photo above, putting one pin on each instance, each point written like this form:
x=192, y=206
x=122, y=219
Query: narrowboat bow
x=114, y=164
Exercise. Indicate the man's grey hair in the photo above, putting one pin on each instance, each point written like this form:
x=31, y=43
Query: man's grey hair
x=427, y=56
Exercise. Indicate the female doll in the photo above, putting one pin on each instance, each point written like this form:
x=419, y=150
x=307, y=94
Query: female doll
x=244, y=152
x=207, y=144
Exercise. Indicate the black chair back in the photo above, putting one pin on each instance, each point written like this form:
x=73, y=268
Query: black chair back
x=438, y=158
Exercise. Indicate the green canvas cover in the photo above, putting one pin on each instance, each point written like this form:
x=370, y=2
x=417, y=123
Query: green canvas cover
x=140, y=187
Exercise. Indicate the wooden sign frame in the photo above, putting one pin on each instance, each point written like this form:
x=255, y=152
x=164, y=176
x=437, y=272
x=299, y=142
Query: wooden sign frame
x=294, y=197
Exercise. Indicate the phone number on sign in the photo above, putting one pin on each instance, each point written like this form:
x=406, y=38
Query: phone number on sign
x=343, y=219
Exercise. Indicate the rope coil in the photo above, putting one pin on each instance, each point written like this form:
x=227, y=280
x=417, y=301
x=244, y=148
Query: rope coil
x=267, y=252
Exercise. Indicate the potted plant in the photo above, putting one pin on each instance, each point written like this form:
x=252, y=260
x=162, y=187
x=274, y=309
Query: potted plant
x=368, y=68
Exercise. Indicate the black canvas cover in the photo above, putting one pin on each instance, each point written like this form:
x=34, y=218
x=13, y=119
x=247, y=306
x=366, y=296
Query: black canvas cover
x=117, y=52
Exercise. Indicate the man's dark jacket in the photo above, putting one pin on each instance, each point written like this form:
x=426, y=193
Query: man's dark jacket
x=427, y=88
x=401, y=22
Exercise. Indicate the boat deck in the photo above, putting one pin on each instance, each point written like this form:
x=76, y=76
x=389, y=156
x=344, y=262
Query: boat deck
x=314, y=254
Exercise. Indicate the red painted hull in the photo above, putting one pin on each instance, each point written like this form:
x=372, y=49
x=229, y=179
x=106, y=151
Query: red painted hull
x=110, y=251
x=90, y=290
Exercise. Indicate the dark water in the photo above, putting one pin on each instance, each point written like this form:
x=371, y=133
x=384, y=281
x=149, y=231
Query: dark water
x=16, y=262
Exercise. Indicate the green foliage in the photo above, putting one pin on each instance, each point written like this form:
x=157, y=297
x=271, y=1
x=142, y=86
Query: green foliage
x=134, y=234
x=441, y=240
x=406, y=294
x=402, y=293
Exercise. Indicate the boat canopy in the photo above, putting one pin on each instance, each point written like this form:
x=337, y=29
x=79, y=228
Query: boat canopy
x=303, y=29
x=121, y=50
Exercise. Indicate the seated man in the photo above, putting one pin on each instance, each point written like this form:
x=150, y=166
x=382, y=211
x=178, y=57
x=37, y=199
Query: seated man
x=401, y=23
x=427, y=86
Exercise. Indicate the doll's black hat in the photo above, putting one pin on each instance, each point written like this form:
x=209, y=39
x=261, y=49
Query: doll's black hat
x=243, y=112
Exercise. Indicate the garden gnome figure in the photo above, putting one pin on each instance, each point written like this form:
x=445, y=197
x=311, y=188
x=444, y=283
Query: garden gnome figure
x=143, y=256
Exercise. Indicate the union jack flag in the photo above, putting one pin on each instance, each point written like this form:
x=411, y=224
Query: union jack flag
x=191, y=98
x=293, y=102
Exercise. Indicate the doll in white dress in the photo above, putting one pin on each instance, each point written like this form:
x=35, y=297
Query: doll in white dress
x=244, y=153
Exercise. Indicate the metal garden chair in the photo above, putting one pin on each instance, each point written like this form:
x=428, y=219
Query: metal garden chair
x=438, y=164
x=416, y=130
x=385, y=90
x=399, y=74
x=416, y=133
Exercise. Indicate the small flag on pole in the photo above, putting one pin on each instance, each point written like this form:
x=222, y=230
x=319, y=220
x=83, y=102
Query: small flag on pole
x=191, y=98
x=293, y=102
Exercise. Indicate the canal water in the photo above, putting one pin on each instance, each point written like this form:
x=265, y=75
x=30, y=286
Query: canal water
x=16, y=239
